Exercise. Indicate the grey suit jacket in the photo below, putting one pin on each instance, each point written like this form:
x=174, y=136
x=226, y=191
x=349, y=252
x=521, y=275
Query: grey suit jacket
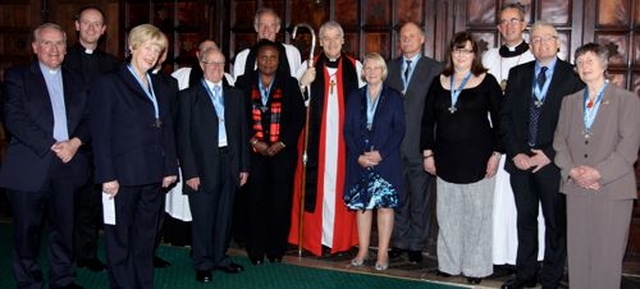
x=414, y=98
x=612, y=149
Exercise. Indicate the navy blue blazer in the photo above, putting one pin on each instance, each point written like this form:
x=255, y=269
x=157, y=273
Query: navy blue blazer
x=386, y=135
x=197, y=136
x=28, y=117
x=128, y=144
x=514, y=115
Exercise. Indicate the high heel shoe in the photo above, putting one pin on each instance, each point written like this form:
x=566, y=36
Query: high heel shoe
x=381, y=267
x=357, y=262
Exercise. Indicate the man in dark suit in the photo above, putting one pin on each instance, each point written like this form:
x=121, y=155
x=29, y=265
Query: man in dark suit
x=88, y=59
x=412, y=75
x=45, y=111
x=532, y=103
x=214, y=156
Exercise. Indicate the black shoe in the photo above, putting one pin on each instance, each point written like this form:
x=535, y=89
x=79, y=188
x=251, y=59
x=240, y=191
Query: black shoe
x=516, y=283
x=442, y=274
x=160, y=263
x=395, y=253
x=204, y=276
x=37, y=276
x=231, y=268
x=474, y=280
x=72, y=285
x=256, y=261
x=275, y=259
x=415, y=256
x=92, y=264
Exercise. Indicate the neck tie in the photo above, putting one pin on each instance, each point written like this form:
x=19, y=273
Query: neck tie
x=534, y=110
x=542, y=77
x=407, y=70
x=265, y=95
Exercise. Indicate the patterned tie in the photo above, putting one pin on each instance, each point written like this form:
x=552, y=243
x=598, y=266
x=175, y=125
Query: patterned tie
x=406, y=73
x=534, y=110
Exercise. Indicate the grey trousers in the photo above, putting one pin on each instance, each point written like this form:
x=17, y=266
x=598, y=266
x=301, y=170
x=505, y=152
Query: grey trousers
x=464, y=213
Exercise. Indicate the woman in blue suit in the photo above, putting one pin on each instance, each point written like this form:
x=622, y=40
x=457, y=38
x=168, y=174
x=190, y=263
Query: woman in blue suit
x=373, y=129
x=135, y=156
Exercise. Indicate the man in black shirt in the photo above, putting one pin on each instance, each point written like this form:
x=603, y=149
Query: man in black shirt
x=88, y=60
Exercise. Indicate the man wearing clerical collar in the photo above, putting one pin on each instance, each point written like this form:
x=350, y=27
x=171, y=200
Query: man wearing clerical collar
x=327, y=224
x=514, y=51
x=86, y=58
x=511, y=24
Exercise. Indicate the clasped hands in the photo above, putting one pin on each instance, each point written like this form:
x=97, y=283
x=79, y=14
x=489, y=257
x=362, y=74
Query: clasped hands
x=369, y=159
x=268, y=150
x=536, y=162
x=586, y=177
x=66, y=150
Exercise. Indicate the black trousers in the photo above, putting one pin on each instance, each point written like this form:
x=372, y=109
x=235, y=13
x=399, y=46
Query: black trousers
x=55, y=202
x=529, y=189
x=268, y=204
x=88, y=217
x=212, y=212
x=130, y=242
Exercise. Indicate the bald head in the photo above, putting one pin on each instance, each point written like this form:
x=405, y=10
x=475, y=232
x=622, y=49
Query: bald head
x=205, y=45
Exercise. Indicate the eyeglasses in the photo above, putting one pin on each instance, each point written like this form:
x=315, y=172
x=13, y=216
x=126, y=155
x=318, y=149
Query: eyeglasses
x=215, y=63
x=513, y=21
x=462, y=51
x=545, y=39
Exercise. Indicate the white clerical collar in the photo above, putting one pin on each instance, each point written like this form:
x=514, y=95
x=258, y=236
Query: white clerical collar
x=88, y=51
x=513, y=48
x=52, y=71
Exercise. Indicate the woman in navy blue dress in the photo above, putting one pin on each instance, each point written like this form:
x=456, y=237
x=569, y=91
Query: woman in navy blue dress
x=373, y=129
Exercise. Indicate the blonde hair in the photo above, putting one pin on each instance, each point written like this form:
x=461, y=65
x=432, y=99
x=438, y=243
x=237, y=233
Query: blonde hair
x=146, y=32
x=378, y=60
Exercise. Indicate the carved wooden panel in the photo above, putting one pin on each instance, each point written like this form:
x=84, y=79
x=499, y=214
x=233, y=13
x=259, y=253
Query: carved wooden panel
x=347, y=14
x=17, y=20
x=410, y=10
x=635, y=50
x=15, y=15
x=617, y=44
x=378, y=13
x=310, y=12
x=613, y=13
x=557, y=12
x=378, y=42
x=482, y=12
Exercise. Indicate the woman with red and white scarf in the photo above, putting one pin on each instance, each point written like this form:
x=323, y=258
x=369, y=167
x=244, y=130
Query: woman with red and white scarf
x=275, y=111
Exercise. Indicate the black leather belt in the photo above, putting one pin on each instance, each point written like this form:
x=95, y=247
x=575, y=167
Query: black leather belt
x=223, y=150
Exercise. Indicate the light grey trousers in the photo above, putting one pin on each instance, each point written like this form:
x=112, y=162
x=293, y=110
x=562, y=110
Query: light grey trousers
x=464, y=213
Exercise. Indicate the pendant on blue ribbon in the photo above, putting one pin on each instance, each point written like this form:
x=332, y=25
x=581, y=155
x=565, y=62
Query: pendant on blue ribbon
x=538, y=103
x=452, y=109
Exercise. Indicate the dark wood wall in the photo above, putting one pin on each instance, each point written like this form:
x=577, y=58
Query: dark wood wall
x=370, y=25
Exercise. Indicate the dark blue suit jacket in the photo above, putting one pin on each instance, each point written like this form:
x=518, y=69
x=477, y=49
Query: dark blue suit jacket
x=128, y=147
x=197, y=128
x=29, y=118
x=386, y=135
x=514, y=116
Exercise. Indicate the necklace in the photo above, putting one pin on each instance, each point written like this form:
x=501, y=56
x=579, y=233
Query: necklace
x=455, y=93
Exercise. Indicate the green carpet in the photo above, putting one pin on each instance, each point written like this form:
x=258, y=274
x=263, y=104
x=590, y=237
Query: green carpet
x=268, y=276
